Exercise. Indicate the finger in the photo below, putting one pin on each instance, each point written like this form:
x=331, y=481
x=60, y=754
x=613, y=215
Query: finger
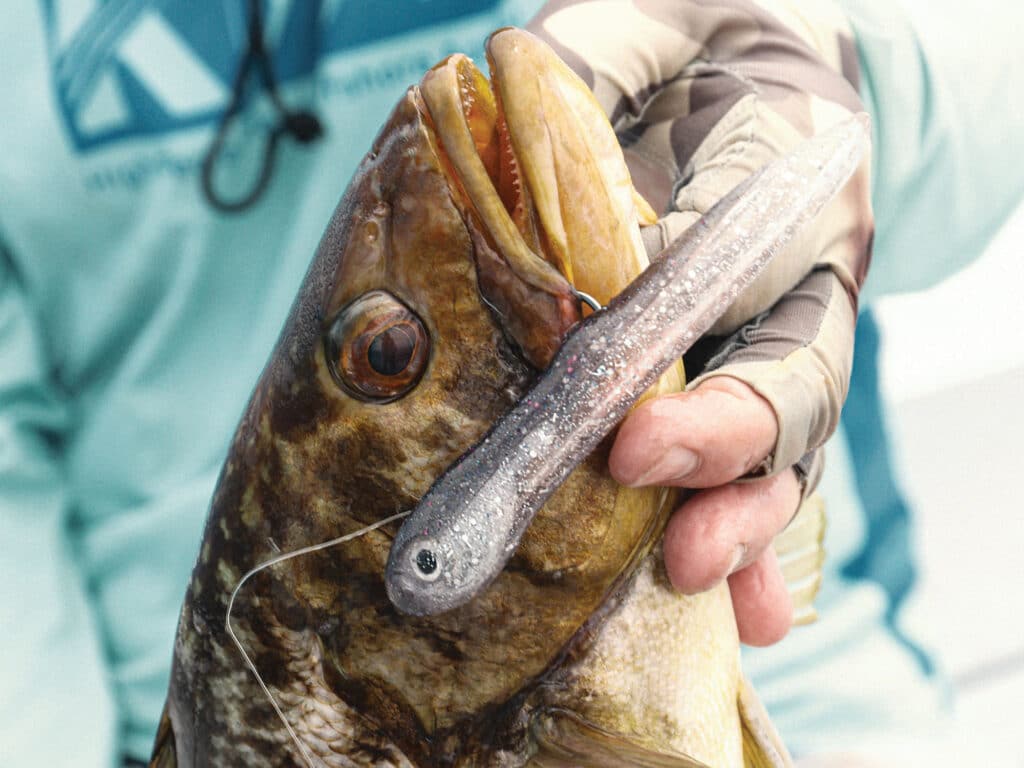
x=727, y=528
x=697, y=439
x=761, y=602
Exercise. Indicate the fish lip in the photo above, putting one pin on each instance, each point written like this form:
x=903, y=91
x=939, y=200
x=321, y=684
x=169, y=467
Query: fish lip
x=532, y=154
x=458, y=100
x=531, y=295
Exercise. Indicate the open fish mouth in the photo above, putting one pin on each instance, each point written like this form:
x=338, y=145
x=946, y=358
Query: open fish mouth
x=538, y=173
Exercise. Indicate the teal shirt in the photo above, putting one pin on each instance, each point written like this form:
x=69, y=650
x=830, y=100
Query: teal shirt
x=134, y=319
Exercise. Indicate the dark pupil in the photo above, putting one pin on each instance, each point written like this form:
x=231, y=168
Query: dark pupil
x=391, y=350
x=426, y=561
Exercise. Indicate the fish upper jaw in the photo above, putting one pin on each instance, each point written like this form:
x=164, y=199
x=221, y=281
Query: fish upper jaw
x=571, y=164
x=532, y=300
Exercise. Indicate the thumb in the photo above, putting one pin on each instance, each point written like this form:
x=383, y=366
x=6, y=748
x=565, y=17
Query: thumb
x=700, y=438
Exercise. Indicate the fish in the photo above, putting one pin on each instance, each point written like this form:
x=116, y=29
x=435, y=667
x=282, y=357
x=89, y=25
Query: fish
x=433, y=303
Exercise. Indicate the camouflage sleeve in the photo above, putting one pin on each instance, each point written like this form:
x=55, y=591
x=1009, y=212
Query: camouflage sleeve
x=702, y=93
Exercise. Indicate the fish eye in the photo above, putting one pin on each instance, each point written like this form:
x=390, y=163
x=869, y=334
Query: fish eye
x=391, y=350
x=376, y=347
x=426, y=562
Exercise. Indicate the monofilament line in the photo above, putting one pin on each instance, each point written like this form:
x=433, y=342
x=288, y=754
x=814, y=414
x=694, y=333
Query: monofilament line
x=306, y=757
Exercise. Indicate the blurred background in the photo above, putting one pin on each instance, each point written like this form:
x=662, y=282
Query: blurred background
x=953, y=370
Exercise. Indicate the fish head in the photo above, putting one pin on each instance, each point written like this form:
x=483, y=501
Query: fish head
x=445, y=281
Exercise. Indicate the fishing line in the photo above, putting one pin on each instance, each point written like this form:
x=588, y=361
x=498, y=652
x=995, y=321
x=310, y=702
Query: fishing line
x=274, y=561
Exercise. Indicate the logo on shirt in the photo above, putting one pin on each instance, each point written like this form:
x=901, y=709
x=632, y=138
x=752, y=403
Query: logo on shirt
x=128, y=68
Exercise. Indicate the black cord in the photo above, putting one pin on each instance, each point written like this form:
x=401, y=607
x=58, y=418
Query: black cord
x=302, y=125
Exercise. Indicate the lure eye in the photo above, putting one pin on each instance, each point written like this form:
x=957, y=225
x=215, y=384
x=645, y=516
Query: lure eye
x=376, y=347
x=426, y=563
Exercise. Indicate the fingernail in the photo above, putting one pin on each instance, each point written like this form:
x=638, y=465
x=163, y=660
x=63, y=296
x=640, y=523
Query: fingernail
x=675, y=465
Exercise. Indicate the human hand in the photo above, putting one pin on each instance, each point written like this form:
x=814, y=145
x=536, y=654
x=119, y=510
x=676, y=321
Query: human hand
x=705, y=439
x=702, y=94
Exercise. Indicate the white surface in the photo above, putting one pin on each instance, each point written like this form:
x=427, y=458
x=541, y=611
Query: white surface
x=988, y=720
x=962, y=462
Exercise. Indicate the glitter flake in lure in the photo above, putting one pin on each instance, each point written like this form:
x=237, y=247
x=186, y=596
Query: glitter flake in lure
x=468, y=525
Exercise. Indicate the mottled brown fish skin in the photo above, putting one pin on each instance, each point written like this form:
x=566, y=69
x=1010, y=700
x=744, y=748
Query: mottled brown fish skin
x=361, y=684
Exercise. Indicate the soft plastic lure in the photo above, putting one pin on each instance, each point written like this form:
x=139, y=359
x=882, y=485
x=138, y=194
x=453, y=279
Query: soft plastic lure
x=468, y=525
